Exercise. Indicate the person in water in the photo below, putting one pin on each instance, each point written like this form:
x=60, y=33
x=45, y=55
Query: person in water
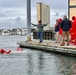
x=2, y=51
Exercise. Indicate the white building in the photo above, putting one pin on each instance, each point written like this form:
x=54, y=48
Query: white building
x=5, y=32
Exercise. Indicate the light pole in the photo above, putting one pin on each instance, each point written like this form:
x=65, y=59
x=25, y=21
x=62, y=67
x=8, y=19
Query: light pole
x=28, y=20
x=69, y=9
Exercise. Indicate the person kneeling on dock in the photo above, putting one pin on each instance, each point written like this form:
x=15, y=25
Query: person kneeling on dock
x=40, y=30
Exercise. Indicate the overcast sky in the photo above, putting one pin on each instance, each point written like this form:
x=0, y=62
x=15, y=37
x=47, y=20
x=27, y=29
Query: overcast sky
x=13, y=12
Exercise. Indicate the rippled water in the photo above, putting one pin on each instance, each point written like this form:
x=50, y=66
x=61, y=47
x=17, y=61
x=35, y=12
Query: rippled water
x=33, y=62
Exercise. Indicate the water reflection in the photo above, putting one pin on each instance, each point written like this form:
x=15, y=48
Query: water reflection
x=30, y=64
x=65, y=65
x=40, y=63
x=74, y=69
x=34, y=67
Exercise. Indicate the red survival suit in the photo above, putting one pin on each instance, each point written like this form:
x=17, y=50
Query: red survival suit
x=60, y=30
x=73, y=30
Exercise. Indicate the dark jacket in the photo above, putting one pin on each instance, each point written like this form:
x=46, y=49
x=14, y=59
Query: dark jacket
x=65, y=25
x=57, y=27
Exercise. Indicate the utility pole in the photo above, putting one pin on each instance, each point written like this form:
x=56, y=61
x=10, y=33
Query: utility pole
x=28, y=20
x=69, y=9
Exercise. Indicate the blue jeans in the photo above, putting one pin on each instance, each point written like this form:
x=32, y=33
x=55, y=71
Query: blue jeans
x=40, y=36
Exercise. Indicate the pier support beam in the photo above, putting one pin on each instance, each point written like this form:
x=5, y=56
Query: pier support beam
x=28, y=20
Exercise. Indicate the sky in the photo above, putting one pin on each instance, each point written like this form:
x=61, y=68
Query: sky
x=13, y=12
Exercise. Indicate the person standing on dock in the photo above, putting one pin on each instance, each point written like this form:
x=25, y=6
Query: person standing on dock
x=65, y=25
x=57, y=27
x=40, y=30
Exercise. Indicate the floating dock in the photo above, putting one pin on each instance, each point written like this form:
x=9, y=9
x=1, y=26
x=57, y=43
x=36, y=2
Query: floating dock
x=49, y=46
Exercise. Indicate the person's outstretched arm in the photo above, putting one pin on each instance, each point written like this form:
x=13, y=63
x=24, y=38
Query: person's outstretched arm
x=45, y=25
x=34, y=24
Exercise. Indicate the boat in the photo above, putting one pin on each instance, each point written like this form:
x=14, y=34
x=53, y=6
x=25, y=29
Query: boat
x=5, y=33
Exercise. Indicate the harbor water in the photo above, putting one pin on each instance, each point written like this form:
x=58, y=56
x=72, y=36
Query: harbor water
x=33, y=62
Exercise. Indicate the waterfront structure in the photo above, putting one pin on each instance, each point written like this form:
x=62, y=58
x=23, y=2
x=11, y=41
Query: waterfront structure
x=22, y=31
x=43, y=14
x=5, y=32
x=71, y=8
x=14, y=31
x=49, y=46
